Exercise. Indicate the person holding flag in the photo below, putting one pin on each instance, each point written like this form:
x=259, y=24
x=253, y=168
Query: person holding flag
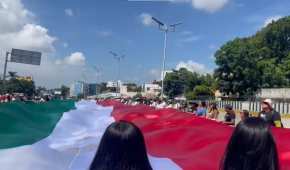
x=269, y=114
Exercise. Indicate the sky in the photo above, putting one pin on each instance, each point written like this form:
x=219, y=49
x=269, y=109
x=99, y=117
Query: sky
x=76, y=36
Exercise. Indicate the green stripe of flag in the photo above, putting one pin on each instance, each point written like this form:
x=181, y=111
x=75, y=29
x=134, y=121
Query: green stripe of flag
x=27, y=123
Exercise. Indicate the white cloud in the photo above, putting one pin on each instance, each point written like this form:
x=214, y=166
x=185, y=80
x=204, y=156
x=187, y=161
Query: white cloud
x=146, y=19
x=19, y=30
x=271, y=19
x=192, y=66
x=75, y=59
x=13, y=16
x=209, y=5
x=186, y=33
x=206, y=5
x=30, y=37
x=69, y=12
x=65, y=44
x=104, y=33
x=190, y=39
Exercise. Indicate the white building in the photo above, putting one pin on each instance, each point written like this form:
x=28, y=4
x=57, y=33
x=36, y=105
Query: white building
x=113, y=84
x=78, y=88
x=274, y=93
x=152, y=89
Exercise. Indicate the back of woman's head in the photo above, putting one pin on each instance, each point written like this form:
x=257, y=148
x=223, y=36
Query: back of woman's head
x=251, y=147
x=122, y=148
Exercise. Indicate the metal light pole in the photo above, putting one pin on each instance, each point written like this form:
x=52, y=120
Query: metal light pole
x=165, y=28
x=5, y=66
x=118, y=58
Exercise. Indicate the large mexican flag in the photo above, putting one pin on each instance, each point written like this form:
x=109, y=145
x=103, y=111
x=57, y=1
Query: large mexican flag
x=59, y=135
x=65, y=135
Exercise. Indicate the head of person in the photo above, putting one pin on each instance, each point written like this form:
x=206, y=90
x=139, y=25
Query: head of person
x=203, y=104
x=251, y=147
x=228, y=108
x=122, y=147
x=245, y=114
x=266, y=105
x=214, y=106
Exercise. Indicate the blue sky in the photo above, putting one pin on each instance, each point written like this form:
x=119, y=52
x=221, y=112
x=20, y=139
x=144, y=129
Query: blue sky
x=81, y=33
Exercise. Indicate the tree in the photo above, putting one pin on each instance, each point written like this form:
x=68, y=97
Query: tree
x=183, y=82
x=64, y=91
x=260, y=61
x=20, y=86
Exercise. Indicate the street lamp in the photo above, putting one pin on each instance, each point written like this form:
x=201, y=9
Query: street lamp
x=119, y=58
x=165, y=28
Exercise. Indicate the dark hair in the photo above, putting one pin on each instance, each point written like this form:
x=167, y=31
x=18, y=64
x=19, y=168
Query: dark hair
x=251, y=147
x=203, y=104
x=229, y=107
x=214, y=106
x=246, y=113
x=122, y=148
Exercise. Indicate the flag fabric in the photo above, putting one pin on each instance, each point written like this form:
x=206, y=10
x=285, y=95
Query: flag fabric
x=193, y=143
x=68, y=144
x=26, y=123
x=66, y=136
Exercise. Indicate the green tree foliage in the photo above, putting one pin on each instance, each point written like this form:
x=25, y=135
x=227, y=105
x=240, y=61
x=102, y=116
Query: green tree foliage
x=64, y=91
x=192, y=85
x=18, y=86
x=259, y=61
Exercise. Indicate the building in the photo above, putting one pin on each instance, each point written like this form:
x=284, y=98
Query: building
x=152, y=89
x=125, y=93
x=78, y=88
x=111, y=84
x=93, y=89
x=274, y=93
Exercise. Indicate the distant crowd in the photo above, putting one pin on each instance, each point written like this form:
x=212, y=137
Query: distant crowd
x=7, y=98
x=211, y=110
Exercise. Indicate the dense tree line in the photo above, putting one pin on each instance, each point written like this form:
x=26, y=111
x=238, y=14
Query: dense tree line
x=260, y=61
x=191, y=85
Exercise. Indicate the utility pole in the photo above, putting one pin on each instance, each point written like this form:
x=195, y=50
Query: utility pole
x=118, y=58
x=165, y=28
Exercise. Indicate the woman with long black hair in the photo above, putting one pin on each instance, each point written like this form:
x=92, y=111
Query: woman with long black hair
x=122, y=148
x=251, y=147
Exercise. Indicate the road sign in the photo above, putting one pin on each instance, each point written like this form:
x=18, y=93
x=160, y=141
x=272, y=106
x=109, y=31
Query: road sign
x=25, y=57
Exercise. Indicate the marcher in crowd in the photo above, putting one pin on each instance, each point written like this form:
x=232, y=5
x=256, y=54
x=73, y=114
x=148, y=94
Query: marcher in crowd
x=194, y=107
x=122, y=147
x=268, y=114
x=245, y=114
x=213, y=112
x=230, y=116
x=251, y=147
x=202, y=109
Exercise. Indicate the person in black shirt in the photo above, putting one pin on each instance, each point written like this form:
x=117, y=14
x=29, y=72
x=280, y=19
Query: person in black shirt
x=230, y=116
x=268, y=114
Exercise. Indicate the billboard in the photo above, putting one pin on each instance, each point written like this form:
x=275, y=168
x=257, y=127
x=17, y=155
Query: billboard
x=25, y=57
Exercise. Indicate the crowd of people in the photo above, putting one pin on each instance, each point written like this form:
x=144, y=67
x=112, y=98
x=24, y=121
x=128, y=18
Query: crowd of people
x=251, y=146
x=211, y=110
x=7, y=98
